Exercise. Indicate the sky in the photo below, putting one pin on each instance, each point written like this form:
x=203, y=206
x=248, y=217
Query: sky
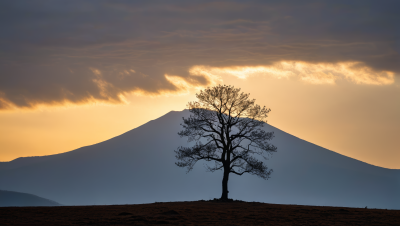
x=75, y=73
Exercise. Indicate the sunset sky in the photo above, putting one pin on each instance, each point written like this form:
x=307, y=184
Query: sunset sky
x=75, y=73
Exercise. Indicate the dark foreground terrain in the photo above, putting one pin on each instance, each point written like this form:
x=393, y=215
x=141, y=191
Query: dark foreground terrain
x=197, y=213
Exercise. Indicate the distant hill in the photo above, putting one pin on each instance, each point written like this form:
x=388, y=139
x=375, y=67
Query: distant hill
x=139, y=167
x=12, y=198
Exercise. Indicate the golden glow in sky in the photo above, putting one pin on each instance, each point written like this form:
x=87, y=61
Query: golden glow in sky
x=306, y=101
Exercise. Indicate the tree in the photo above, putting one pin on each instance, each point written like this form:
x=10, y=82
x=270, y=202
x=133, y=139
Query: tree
x=227, y=129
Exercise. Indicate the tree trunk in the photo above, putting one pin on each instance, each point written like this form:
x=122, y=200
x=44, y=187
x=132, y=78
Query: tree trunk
x=225, y=191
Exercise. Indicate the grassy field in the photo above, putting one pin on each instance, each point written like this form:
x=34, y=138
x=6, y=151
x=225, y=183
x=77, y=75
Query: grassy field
x=197, y=213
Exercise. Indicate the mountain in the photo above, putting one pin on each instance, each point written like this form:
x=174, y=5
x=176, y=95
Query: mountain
x=138, y=167
x=11, y=198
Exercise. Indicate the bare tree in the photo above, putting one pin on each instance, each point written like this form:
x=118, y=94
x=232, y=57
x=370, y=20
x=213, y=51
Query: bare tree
x=227, y=129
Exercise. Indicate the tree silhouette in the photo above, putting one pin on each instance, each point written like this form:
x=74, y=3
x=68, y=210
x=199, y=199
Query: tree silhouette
x=227, y=129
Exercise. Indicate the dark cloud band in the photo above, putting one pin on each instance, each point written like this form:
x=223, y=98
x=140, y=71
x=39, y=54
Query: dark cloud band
x=50, y=50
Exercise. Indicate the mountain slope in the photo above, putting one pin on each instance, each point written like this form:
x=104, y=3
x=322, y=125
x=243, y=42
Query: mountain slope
x=11, y=198
x=138, y=167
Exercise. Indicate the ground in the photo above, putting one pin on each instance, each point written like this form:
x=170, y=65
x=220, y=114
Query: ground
x=197, y=213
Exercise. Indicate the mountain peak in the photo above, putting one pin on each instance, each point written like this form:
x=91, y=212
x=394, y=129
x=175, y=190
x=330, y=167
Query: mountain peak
x=139, y=167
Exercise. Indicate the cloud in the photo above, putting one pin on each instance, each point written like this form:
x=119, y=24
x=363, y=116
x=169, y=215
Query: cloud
x=56, y=52
x=193, y=81
x=315, y=73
